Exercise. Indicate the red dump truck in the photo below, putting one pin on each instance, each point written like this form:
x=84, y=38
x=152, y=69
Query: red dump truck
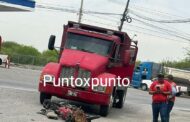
x=90, y=52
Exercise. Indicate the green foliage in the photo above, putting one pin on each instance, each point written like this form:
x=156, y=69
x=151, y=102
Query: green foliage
x=28, y=50
x=137, y=63
x=183, y=64
x=52, y=56
x=11, y=48
x=27, y=54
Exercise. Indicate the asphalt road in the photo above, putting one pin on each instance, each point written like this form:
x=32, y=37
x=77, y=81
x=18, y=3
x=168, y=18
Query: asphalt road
x=19, y=101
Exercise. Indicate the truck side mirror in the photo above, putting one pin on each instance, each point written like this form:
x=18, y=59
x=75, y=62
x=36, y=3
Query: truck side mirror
x=51, y=42
x=127, y=57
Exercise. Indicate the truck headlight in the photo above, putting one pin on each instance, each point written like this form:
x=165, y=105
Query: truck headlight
x=99, y=88
x=47, y=78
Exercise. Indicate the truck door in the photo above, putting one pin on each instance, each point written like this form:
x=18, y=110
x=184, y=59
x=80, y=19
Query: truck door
x=136, y=81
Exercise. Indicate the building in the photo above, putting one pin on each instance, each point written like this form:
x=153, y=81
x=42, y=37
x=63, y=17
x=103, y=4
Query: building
x=16, y=5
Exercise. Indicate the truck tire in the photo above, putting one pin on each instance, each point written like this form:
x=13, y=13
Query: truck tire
x=104, y=109
x=144, y=87
x=121, y=94
x=44, y=96
x=1, y=61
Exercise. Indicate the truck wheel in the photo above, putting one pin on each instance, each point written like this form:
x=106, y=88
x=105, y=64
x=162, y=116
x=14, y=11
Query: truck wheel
x=144, y=87
x=104, y=109
x=1, y=61
x=44, y=96
x=189, y=93
x=121, y=96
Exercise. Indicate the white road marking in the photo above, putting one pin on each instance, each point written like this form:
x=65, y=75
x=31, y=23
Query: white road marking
x=19, y=88
x=182, y=109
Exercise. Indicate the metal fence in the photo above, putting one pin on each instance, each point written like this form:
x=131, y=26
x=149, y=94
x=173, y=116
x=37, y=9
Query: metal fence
x=29, y=60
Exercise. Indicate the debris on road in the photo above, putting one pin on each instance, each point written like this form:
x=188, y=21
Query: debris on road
x=65, y=111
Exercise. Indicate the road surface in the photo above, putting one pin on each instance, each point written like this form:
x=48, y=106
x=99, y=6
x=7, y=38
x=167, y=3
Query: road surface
x=19, y=101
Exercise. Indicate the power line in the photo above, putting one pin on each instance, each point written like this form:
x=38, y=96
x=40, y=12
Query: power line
x=75, y=11
x=55, y=5
x=106, y=19
x=161, y=21
x=155, y=11
x=150, y=30
x=101, y=13
x=112, y=20
x=173, y=33
x=100, y=23
x=160, y=32
x=57, y=8
x=149, y=34
x=177, y=31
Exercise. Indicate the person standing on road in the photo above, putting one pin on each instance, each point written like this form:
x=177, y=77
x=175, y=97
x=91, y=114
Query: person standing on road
x=7, y=63
x=171, y=98
x=144, y=74
x=160, y=89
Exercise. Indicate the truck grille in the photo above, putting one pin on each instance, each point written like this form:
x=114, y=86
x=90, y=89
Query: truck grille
x=84, y=74
x=68, y=72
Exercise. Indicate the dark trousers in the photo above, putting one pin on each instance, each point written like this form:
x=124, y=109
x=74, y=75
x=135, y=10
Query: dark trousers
x=162, y=109
x=170, y=106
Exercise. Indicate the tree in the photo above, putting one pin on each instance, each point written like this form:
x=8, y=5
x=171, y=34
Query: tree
x=23, y=54
x=12, y=48
x=51, y=56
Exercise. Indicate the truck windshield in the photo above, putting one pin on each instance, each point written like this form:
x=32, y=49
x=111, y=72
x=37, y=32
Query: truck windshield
x=88, y=44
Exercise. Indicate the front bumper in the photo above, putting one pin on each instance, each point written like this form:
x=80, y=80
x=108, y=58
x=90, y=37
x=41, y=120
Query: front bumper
x=82, y=95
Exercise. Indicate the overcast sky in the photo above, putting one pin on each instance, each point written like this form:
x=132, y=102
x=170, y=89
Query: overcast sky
x=34, y=28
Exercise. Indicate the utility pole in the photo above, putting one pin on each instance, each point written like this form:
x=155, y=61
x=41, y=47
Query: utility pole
x=80, y=11
x=124, y=15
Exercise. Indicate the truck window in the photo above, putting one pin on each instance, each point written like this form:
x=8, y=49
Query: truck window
x=137, y=69
x=88, y=44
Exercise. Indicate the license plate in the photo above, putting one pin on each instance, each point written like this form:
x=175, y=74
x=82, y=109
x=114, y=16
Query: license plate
x=72, y=93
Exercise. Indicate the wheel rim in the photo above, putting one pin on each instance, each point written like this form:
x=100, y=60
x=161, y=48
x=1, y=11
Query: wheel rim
x=111, y=101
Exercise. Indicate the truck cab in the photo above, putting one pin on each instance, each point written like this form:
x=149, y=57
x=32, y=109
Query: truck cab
x=89, y=52
x=143, y=74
